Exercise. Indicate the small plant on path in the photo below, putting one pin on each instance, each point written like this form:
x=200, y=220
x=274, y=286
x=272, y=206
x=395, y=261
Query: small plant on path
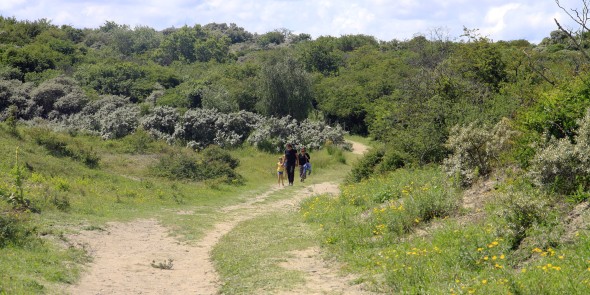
x=167, y=264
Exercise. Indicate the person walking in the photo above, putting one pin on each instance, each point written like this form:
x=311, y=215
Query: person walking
x=292, y=161
x=280, y=171
x=303, y=159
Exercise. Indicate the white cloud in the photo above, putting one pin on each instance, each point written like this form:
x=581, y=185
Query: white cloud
x=384, y=19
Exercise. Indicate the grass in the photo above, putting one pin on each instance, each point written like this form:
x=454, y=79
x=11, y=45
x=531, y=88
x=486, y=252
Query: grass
x=248, y=257
x=511, y=245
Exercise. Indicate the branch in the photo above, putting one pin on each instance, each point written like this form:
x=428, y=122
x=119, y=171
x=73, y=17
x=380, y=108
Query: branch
x=579, y=19
x=539, y=72
x=573, y=39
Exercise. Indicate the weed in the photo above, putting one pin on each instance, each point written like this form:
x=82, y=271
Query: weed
x=16, y=198
x=167, y=264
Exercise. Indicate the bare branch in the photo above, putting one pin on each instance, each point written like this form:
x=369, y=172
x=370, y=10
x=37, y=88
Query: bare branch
x=576, y=43
x=536, y=70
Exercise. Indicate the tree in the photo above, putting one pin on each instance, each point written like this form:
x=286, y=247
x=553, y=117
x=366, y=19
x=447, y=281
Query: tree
x=285, y=87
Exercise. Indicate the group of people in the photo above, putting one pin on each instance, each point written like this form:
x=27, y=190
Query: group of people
x=289, y=161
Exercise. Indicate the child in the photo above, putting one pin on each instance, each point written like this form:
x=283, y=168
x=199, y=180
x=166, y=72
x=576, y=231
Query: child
x=307, y=168
x=280, y=170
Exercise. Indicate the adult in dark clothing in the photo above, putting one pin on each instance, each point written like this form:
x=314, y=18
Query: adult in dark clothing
x=303, y=158
x=291, y=162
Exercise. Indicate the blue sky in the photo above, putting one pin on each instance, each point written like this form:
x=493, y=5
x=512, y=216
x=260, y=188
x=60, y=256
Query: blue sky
x=385, y=19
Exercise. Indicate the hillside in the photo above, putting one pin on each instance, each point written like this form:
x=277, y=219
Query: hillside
x=477, y=178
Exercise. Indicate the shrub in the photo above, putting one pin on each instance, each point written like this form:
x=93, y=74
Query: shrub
x=475, y=150
x=178, y=166
x=110, y=117
x=366, y=166
x=271, y=134
x=16, y=94
x=14, y=229
x=160, y=123
x=562, y=165
x=50, y=91
x=522, y=211
x=217, y=154
x=61, y=145
x=119, y=122
x=212, y=163
x=197, y=125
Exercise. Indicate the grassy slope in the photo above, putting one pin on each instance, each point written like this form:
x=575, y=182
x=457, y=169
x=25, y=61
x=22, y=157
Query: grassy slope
x=511, y=240
x=71, y=196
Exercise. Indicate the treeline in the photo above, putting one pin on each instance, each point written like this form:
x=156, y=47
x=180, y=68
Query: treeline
x=408, y=94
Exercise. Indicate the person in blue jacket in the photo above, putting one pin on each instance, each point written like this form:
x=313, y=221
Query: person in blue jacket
x=303, y=159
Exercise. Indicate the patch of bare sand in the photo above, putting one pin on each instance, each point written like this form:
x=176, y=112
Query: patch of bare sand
x=322, y=276
x=122, y=258
x=358, y=148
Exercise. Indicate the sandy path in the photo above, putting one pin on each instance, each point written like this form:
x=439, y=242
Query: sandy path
x=358, y=148
x=124, y=252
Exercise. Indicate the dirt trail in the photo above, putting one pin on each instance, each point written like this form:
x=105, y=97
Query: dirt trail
x=124, y=252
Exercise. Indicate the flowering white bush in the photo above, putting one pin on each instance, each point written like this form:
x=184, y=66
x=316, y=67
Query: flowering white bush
x=562, y=165
x=475, y=150
x=161, y=122
x=61, y=104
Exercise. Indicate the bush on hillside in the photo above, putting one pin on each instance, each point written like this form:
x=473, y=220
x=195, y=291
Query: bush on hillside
x=110, y=117
x=211, y=163
x=273, y=133
x=14, y=229
x=475, y=150
x=160, y=122
x=197, y=126
x=562, y=165
x=63, y=146
x=49, y=92
x=365, y=167
x=17, y=94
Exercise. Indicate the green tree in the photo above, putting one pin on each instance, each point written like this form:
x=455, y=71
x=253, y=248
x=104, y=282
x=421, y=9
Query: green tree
x=285, y=87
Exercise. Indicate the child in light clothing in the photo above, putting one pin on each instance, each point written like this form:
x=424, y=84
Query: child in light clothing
x=280, y=171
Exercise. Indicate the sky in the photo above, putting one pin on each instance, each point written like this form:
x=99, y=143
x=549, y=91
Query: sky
x=386, y=20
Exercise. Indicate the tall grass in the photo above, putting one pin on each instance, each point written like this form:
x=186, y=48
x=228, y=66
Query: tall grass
x=406, y=234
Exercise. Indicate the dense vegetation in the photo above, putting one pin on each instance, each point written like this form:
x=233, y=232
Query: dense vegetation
x=447, y=117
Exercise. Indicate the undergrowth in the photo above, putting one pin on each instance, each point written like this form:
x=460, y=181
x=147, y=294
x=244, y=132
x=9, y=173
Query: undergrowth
x=406, y=233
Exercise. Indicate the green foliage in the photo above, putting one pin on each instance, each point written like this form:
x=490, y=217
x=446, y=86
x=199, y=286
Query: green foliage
x=15, y=230
x=125, y=79
x=365, y=167
x=556, y=111
x=379, y=210
x=285, y=88
x=61, y=145
x=211, y=163
x=522, y=211
x=275, y=37
x=320, y=56
x=215, y=153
